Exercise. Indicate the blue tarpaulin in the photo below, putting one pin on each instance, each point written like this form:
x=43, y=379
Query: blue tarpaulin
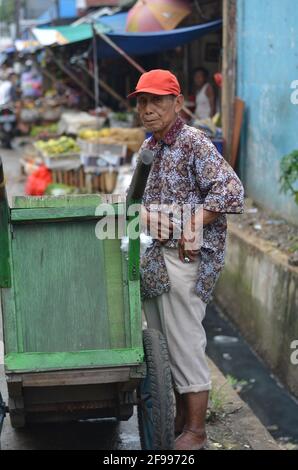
x=132, y=43
x=150, y=43
x=116, y=22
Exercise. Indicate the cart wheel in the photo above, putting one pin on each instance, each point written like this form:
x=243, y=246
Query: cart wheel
x=156, y=403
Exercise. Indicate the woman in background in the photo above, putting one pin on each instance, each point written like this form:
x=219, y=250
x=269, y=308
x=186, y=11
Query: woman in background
x=205, y=96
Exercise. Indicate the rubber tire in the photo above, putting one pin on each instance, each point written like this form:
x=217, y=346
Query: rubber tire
x=160, y=387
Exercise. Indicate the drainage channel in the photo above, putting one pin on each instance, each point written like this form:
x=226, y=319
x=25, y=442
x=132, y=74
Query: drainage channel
x=256, y=385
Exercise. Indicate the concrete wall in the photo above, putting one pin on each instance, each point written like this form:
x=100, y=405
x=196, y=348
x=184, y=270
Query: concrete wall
x=259, y=291
x=267, y=41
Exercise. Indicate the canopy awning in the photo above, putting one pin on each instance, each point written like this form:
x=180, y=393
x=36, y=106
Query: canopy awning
x=132, y=43
x=149, y=43
x=61, y=35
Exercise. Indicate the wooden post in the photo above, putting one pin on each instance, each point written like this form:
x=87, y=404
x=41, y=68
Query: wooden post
x=229, y=72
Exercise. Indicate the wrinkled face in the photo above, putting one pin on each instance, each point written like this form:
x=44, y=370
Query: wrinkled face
x=157, y=112
x=199, y=79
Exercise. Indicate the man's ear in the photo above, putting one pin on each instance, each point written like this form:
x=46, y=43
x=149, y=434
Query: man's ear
x=179, y=103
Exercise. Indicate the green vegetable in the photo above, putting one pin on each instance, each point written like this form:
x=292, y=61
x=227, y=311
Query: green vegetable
x=289, y=174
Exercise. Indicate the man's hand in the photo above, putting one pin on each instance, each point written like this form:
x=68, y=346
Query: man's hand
x=184, y=253
x=192, y=237
x=157, y=224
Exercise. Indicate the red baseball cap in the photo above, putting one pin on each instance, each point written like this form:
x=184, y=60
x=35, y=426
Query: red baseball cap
x=157, y=82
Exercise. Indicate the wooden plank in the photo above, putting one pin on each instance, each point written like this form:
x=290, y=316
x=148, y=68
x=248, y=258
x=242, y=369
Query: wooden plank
x=58, y=213
x=18, y=362
x=5, y=273
x=59, y=281
x=126, y=305
x=229, y=72
x=80, y=377
x=9, y=320
x=114, y=292
x=134, y=282
x=135, y=313
x=12, y=324
x=79, y=395
x=239, y=111
x=15, y=385
x=74, y=200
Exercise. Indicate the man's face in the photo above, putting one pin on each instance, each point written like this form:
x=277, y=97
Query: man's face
x=157, y=112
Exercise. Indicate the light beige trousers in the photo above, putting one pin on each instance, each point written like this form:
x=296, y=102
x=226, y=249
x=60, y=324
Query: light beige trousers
x=178, y=314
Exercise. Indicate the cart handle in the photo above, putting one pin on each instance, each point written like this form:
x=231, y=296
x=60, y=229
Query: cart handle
x=140, y=177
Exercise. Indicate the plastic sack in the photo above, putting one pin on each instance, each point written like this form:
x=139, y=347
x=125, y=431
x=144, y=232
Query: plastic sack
x=38, y=181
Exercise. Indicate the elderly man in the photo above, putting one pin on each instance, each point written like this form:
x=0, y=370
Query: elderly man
x=178, y=279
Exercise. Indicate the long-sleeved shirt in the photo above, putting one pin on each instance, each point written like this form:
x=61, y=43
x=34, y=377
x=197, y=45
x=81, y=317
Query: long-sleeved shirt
x=187, y=169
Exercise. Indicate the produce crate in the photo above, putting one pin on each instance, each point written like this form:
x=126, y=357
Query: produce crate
x=97, y=149
x=51, y=160
x=87, y=180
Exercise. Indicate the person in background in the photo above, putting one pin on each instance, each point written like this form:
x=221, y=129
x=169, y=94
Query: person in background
x=8, y=88
x=205, y=96
x=31, y=81
x=5, y=91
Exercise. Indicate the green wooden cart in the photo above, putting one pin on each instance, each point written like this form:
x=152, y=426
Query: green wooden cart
x=72, y=320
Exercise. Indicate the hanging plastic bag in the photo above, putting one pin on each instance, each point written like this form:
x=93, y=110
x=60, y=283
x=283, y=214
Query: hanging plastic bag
x=38, y=181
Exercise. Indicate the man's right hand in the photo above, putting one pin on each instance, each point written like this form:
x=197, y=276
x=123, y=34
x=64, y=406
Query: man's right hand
x=157, y=224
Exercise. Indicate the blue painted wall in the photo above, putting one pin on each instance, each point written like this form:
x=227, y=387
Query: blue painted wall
x=267, y=65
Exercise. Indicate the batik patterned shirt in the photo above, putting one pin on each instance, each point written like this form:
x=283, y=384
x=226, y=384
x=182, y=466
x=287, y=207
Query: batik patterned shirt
x=188, y=169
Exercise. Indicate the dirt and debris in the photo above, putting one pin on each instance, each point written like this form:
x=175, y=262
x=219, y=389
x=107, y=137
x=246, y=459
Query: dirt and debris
x=279, y=232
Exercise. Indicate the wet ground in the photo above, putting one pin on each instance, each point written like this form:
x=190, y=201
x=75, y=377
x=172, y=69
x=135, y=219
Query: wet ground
x=268, y=399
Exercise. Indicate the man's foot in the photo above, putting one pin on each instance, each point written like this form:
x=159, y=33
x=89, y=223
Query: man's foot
x=191, y=440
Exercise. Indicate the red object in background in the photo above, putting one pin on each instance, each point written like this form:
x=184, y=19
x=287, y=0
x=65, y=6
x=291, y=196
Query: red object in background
x=218, y=79
x=38, y=181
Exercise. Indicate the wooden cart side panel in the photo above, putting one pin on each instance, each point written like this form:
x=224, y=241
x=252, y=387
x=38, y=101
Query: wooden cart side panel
x=60, y=287
x=33, y=324
x=28, y=362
